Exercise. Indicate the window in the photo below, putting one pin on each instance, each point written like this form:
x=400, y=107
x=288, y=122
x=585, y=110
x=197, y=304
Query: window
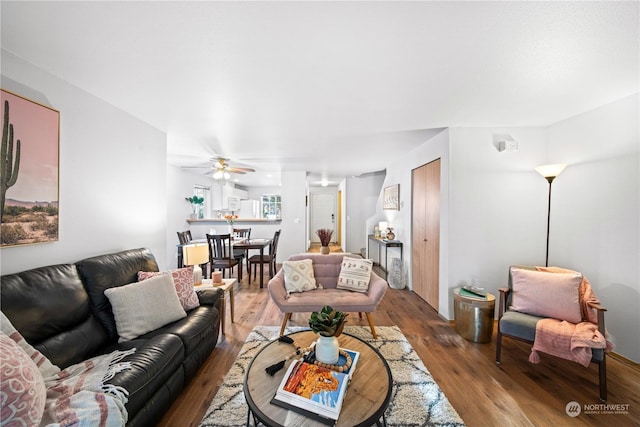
x=271, y=206
x=204, y=192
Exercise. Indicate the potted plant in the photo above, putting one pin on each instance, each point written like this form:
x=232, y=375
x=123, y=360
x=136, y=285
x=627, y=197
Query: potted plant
x=195, y=202
x=325, y=238
x=328, y=324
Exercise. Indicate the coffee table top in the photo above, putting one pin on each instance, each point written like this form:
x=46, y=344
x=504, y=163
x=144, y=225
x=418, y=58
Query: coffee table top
x=367, y=396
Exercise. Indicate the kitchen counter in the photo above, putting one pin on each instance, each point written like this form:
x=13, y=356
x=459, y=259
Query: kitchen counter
x=243, y=220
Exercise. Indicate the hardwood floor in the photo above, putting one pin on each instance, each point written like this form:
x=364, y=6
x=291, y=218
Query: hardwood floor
x=515, y=393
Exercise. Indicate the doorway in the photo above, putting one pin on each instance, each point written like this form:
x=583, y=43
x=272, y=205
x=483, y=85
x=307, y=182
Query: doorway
x=323, y=215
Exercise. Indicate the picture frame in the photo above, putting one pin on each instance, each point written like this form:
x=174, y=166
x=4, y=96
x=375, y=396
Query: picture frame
x=391, y=198
x=30, y=178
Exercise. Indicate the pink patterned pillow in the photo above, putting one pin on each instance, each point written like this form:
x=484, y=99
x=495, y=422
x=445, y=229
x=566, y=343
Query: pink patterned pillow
x=544, y=294
x=183, y=281
x=21, y=384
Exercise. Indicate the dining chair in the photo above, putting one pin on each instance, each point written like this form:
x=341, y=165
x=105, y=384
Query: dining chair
x=221, y=254
x=184, y=237
x=266, y=259
x=240, y=254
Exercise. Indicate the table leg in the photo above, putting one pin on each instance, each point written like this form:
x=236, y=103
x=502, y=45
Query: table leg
x=224, y=311
x=261, y=267
x=231, y=302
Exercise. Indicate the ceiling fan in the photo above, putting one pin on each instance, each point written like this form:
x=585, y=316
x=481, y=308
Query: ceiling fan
x=221, y=168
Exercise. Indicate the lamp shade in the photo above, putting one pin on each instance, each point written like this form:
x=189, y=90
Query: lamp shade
x=195, y=254
x=382, y=226
x=551, y=171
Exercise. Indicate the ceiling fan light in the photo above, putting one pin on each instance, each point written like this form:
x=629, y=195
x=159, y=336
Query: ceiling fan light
x=226, y=175
x=217, y=175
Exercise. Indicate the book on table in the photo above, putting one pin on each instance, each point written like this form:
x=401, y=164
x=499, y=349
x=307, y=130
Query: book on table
x=315, y=391
x=472, y=292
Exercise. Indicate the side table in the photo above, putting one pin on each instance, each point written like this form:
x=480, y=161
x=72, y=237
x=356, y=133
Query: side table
x=227, y=285
x=474, y=316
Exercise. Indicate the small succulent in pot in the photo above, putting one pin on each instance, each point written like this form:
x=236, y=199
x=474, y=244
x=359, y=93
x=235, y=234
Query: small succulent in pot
x=325, y=235
x=327, y=322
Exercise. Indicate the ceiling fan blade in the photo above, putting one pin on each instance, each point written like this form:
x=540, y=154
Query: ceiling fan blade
x=239, y=170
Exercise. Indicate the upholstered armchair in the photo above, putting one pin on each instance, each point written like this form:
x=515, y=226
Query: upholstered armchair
x=556, y=310
x=326, y=270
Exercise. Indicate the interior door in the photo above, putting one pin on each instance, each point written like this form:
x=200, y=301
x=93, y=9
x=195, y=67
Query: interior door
x=323, y=215
x=425, y=240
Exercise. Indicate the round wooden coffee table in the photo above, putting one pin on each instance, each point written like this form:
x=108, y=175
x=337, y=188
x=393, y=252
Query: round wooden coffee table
x=367, y=396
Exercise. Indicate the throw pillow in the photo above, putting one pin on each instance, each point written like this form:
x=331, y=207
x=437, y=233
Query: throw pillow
x=183, y=281
x=144, y=306
x=544, y=294
x=355, y=274
x=21, y=384
x=299, y=276
x=45, y=366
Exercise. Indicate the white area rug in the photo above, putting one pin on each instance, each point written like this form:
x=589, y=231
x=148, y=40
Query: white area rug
x=416, y=399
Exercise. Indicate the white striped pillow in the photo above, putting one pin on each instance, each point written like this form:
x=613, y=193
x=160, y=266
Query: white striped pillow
x=355, y=274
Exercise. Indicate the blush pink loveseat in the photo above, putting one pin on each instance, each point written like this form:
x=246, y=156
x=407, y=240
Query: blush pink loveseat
x=326, y=269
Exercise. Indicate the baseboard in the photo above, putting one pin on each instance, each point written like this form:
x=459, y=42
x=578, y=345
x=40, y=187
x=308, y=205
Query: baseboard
x=623, y=359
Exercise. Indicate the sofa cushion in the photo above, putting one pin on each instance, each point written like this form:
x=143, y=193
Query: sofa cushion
x=144, y=306
x=51, y=309
x=183, y=281
x=21, y=385
x=545, y=294
x=106, y=271
x=299, y=276
x=198, y=326
x=355, y=274
x=154, y=362
x=44, y=365
x=519, y=325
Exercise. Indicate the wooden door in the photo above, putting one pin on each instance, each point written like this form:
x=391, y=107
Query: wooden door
x=425, y=240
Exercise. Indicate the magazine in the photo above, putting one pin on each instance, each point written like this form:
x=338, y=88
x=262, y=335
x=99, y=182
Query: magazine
x=315, y=391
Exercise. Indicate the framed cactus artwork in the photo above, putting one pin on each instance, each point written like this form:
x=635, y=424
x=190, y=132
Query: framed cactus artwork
x=29, y=177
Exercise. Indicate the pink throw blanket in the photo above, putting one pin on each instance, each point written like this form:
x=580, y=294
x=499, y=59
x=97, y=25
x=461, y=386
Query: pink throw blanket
x=79, y=395
x=567, y=340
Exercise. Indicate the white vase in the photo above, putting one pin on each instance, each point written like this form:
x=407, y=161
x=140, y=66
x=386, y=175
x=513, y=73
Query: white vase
x=231, y=229
x=327, y=350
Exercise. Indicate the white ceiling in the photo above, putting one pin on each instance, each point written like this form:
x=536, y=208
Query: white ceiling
x=333, y=88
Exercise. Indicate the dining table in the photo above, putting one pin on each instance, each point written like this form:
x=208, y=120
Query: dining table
x=258, y=244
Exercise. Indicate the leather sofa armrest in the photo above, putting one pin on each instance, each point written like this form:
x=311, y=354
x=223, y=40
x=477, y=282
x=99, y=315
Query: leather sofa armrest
x=209, y=296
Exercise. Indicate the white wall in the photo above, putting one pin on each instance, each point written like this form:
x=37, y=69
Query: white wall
x=363, y=195
x=595, y=224
x=498, y=206
x=294, y=212
x=112, y=175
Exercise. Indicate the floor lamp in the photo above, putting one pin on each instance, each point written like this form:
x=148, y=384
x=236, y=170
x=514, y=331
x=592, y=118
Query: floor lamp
x=550, y=172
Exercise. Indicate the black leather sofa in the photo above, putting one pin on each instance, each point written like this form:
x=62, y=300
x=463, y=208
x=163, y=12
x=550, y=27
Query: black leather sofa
x=62, y=311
